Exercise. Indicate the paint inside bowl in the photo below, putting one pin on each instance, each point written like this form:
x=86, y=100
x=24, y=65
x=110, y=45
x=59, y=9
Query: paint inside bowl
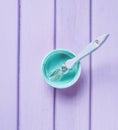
x=53, y=61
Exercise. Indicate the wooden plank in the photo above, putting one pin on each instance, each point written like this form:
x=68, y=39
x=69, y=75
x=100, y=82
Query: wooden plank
x=72, y=104
x=8, y=65
x=104, y=67
x=36, y=98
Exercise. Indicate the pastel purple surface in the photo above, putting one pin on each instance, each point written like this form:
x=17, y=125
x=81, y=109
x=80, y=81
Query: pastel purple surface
x=72, y=104
x=29, y=29
x=104, y=67
x=8, y=65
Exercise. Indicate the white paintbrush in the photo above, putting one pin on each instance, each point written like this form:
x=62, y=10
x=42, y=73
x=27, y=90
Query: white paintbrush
x=69, y=64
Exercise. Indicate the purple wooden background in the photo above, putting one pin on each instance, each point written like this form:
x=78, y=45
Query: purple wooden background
x=29, y=29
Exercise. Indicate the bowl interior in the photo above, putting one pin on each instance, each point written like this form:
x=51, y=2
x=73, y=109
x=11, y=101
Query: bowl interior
x=53, y=61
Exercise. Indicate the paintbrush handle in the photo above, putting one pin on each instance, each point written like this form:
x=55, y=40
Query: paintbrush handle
x=89, y=49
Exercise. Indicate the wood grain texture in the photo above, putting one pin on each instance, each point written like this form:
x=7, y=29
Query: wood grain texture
x=8, y=65
x=104, y=67
x=36, y=97
x=72, y=104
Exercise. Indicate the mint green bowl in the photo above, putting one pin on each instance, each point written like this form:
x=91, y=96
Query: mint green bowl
x=53, y=61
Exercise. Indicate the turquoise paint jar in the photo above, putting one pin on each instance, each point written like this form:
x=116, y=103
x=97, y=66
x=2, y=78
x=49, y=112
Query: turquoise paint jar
x=53, y=61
